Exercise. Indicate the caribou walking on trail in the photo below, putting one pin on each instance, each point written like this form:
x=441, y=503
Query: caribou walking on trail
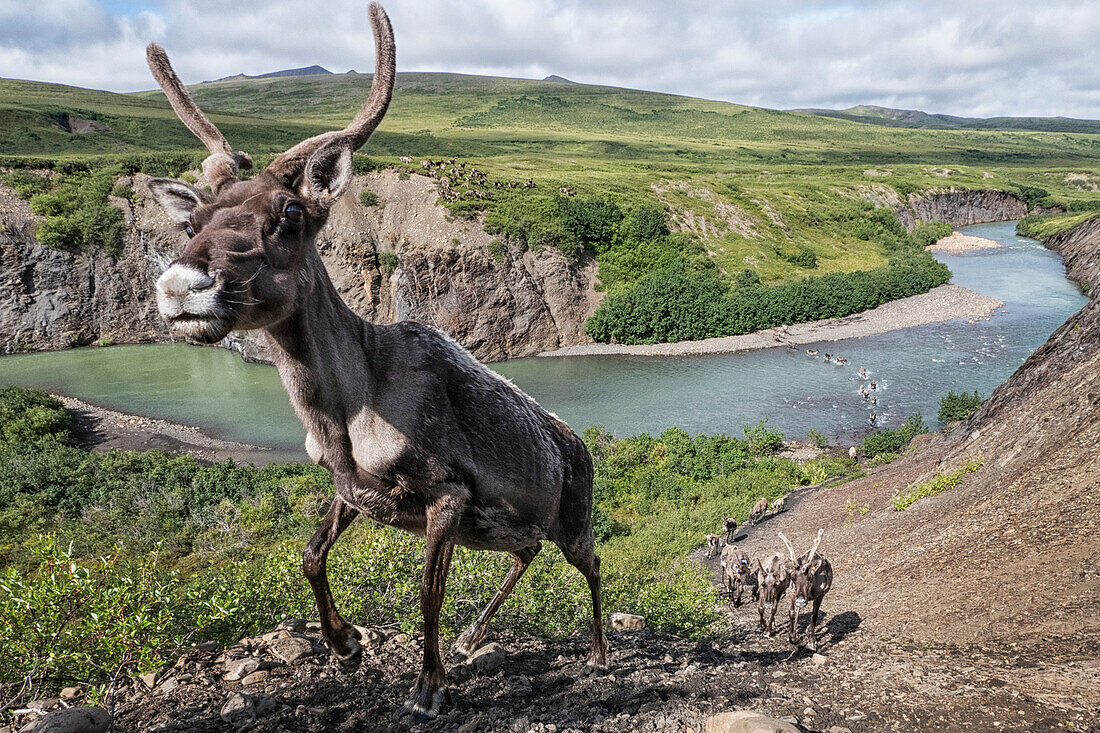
x=416, y=433
x=812, y=577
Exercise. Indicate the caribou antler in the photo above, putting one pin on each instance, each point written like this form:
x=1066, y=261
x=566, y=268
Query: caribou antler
x=789, y=548
x=813, y=550
x=290, y=164
x=223, y=163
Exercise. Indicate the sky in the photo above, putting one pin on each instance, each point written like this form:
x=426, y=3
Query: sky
x=963, y=57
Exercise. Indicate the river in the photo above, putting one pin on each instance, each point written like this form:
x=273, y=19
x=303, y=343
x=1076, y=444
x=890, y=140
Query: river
x=216, y=390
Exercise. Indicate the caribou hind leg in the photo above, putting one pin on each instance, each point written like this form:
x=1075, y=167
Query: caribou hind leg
x=471, y=637
x=584, y=559
x=342, y=638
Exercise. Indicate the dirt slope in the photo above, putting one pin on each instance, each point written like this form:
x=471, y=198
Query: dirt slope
x=989, y=593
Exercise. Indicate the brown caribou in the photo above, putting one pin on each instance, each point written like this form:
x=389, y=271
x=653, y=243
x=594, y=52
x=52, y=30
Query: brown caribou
x=737, y=573
x=416, y=433
x=772, y=578
x=812, y=577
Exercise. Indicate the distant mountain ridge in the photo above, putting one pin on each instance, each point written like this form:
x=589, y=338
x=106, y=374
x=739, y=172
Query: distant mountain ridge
x=302, y=71
x=913, y=118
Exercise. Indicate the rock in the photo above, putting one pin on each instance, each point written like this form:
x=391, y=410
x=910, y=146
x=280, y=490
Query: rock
x=206, y=646
x=240, y=668
x=369, y=638
x=277, y=634
x=292, y=649
x=839, y=729
x=488, y=658
x=71, y=720
x=44, y=704
x=149, y=679
x=72, y=693
x=256, y=678
x=747, y=721
x=627, y=622
x=264, y=704
x=238, y=708
x=401, y=639
x=169, y=684
x=297, y=625
x=819, y=660
x=501, y=304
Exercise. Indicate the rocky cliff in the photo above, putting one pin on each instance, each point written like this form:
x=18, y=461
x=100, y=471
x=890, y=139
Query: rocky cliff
x=956, y=206
x=960, y=207
x=405, y=258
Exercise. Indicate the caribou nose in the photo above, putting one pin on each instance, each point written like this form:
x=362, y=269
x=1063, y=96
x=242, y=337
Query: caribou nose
x=800, y=602
x=179, y=280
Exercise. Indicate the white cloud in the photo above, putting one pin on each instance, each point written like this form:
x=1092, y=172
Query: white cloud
x=966, y=57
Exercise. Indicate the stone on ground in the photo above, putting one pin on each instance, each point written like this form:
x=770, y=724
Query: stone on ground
x=627, y=622
x=72, y=720
x=488, y=658
x=747, y=721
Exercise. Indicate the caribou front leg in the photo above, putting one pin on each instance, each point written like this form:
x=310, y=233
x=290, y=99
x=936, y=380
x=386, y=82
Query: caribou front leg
x=431, y=685
x=342, y=638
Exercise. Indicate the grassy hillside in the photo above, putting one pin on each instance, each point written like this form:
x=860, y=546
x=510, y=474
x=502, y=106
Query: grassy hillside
x=874, y=115
x=742, y=188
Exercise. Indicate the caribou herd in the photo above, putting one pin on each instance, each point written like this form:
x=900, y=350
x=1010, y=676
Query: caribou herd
x=808, y=576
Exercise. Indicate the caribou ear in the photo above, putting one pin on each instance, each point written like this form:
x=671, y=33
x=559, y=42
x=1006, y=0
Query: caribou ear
x=177, y=198
x=327, y=174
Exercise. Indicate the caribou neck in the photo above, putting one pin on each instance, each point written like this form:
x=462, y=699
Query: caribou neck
x=315, y=351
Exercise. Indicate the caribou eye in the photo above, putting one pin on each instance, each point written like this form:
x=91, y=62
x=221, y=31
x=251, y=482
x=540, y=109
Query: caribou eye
x=190, y=230
x=294, y=213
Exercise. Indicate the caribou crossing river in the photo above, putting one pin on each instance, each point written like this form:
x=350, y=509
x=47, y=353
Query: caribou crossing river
x=214, y=389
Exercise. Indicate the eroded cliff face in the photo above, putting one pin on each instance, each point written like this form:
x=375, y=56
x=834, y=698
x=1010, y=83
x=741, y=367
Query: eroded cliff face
x=957, y=207
x=960, y=207
x=500, y=305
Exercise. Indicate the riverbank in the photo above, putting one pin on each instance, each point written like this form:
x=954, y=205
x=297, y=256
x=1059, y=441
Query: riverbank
x=958, y=243
x=99, y=429
x=944, y=303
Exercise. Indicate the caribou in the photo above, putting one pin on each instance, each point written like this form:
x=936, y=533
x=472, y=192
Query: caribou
x=812, y=577
x=416, y=433
x=729, y=524
x=759, y=509
x=772, y=578
x=737, y=573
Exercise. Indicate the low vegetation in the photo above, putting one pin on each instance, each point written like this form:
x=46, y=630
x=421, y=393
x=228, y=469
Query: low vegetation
x=891, y=442
x=939, y=483
x=111, y=562
x=958, y=406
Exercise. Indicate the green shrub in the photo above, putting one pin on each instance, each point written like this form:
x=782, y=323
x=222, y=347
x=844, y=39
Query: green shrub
x=78, y=216
x=368, y=198
x=1033, y=196
x=939, y=483
x=804, y=257
x=676, y=303
x=958, y=406
x=26, y=183
x=124, y=191
x=817, y=438
x=930, y=232
x=893, y=441
x=498, y=251
x=388, y=262
x=762, y=438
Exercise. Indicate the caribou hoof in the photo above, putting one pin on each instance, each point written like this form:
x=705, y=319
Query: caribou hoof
x=467, y=643
x=349, y=661
x=425, y=700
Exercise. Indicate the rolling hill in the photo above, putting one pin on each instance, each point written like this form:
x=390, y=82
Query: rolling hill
x=874, y=115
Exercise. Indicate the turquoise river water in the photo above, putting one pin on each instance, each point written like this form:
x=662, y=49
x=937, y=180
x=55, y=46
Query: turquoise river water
x=215, y=389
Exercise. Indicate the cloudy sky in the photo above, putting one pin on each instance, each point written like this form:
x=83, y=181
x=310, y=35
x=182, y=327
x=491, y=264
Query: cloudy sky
x=1004, y=57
